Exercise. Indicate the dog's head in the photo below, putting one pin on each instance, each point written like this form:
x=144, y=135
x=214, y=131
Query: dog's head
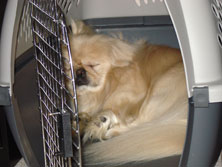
x=94, y=55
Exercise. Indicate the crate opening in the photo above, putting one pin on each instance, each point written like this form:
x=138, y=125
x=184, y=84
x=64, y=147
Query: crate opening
x=58, y=87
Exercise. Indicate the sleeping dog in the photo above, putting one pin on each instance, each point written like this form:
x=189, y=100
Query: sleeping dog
x=132, y=98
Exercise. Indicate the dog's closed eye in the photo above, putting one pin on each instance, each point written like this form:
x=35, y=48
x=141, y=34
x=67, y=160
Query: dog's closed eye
x=92, y=65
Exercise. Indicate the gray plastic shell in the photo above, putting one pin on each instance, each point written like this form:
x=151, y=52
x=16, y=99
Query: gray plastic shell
x=204, y=136
x=197, y=31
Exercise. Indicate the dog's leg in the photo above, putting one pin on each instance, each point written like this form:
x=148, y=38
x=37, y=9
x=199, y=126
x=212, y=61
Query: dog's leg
x=101, y=127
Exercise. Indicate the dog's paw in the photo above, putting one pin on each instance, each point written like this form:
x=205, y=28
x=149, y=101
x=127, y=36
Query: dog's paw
x=84, y=119
x=100, y=125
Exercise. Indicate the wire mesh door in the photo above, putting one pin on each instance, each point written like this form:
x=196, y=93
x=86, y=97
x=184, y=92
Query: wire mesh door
x=56, y=85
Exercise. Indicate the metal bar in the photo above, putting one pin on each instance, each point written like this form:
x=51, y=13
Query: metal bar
x=76, y=146
x=75, y=100
x=48, y=72
x=44, y=26
x=49, y=34
x=42, y=10
x=49, y=86
x=48, y=58
x=45, y=41
x=34, y=42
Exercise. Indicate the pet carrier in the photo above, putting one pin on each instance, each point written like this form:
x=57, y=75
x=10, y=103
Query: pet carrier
x=194, y=26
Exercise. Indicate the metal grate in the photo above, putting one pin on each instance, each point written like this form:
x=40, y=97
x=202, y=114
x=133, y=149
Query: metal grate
x=57, y=95
x=65, y=5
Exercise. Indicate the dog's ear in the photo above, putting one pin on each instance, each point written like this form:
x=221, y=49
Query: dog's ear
x=78, y=27
x=122, y=53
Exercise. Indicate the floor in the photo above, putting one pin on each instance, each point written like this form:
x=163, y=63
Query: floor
x=22, y=163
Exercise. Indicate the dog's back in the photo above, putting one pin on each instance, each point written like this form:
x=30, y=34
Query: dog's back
x=159, y=127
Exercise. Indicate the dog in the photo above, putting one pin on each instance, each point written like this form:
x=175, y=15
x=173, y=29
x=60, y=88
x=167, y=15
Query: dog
x=132, y=98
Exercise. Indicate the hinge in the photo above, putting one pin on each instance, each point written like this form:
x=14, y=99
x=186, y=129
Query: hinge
x=65, y=134
x=201, y=97
x=4, y=96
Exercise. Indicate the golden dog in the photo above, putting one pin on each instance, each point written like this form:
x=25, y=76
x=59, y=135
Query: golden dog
x=132, y=97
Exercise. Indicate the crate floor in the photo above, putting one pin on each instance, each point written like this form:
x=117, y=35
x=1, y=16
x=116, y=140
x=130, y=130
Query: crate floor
x=22, y=163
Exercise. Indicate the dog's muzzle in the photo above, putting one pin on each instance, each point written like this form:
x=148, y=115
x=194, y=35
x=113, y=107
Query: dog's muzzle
x=81, y=77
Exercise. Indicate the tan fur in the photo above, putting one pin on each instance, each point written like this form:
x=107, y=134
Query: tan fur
x=139, y=89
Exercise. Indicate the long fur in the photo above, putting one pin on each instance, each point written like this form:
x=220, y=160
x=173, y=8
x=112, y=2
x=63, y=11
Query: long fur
x=134, y=102
x=143, y=143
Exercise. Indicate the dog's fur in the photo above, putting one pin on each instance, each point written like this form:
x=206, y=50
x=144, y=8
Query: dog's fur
x=132, y=98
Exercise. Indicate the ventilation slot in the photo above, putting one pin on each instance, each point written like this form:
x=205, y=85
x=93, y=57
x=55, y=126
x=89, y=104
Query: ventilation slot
x=215, y=11
x=219, y=37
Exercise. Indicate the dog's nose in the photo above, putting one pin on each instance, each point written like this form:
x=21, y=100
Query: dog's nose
x=81, y=72
x=81, y=77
